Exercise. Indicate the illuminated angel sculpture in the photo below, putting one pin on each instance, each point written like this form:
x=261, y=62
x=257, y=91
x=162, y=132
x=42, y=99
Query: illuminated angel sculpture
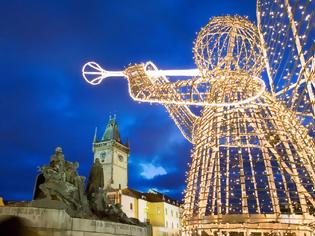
x=252, y=162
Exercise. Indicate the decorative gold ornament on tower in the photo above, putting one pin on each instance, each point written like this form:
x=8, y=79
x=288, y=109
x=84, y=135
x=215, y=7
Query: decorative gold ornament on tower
x=252, y=168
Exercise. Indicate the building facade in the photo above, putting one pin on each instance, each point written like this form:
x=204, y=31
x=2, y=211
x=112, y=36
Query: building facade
x=161, y=211
x=113, y=155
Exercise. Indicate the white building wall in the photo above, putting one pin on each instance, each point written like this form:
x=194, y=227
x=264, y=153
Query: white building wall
x=172, y=217
x=107, y=170
x=115, y=163
x=126, y=202
x=142, y=210
x=119, y=177
x=120, y=169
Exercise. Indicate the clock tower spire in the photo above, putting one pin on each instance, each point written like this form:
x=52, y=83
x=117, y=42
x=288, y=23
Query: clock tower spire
x=113, y=155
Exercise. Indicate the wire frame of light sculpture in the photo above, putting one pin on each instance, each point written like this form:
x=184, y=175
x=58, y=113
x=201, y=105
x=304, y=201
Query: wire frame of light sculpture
x=252, y=166
x=248, y=169
x=287, y=31
x=232, y=46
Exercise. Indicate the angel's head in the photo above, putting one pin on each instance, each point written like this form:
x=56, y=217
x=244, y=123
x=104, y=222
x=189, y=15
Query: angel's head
x=229, y=43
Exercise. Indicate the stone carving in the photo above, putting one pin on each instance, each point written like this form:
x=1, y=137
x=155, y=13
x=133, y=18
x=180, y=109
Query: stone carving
x=64, y=184
x=115, y=213
x=97, y=196
x=96, y=178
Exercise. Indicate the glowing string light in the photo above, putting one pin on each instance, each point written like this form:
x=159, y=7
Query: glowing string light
x=94, y=74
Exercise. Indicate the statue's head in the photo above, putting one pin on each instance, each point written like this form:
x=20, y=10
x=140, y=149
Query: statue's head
x=58, y=150
x=75, y=165
x=228, y=43
x=58, y=156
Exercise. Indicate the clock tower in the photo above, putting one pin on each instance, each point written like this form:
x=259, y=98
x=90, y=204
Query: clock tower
x=113, y=155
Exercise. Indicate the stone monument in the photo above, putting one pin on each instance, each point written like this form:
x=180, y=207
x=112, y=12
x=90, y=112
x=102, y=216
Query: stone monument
x=63, y=206
x=63, y=184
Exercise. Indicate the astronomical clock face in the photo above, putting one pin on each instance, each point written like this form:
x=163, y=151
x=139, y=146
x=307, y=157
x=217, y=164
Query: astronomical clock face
x=103, y=155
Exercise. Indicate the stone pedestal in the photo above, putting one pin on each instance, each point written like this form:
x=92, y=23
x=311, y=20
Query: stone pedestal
x=56, y=222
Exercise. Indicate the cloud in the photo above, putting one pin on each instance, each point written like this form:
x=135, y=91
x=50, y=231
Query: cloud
x=150, y=171
x=165, y=191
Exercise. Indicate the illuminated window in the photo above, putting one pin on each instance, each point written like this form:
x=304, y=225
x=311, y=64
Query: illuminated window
x=131, y=207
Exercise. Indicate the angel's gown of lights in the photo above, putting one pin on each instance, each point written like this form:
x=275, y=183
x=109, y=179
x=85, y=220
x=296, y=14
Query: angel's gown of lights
x=251, y=159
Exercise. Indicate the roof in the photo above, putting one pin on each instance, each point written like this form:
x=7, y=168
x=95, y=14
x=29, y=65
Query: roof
x=111, y=131
x=151, y=196
x=133, y=193
x=155, y=196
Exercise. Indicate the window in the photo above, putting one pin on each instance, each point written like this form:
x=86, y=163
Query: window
x=172, y=212
x=172, y=225
x=165, y=211
x=131, y=206
x=166, y=224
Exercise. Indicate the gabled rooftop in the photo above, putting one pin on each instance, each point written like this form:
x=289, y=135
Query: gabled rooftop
x=151, y=196
x=111, y=133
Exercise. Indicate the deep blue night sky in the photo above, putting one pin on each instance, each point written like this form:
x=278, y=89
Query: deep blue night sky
x=45, y=102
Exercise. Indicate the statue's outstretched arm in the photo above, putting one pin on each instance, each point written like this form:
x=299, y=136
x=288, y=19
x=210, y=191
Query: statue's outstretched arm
x=148, y=84
x=140, y=84
x=198, y=91
x=157, y=89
